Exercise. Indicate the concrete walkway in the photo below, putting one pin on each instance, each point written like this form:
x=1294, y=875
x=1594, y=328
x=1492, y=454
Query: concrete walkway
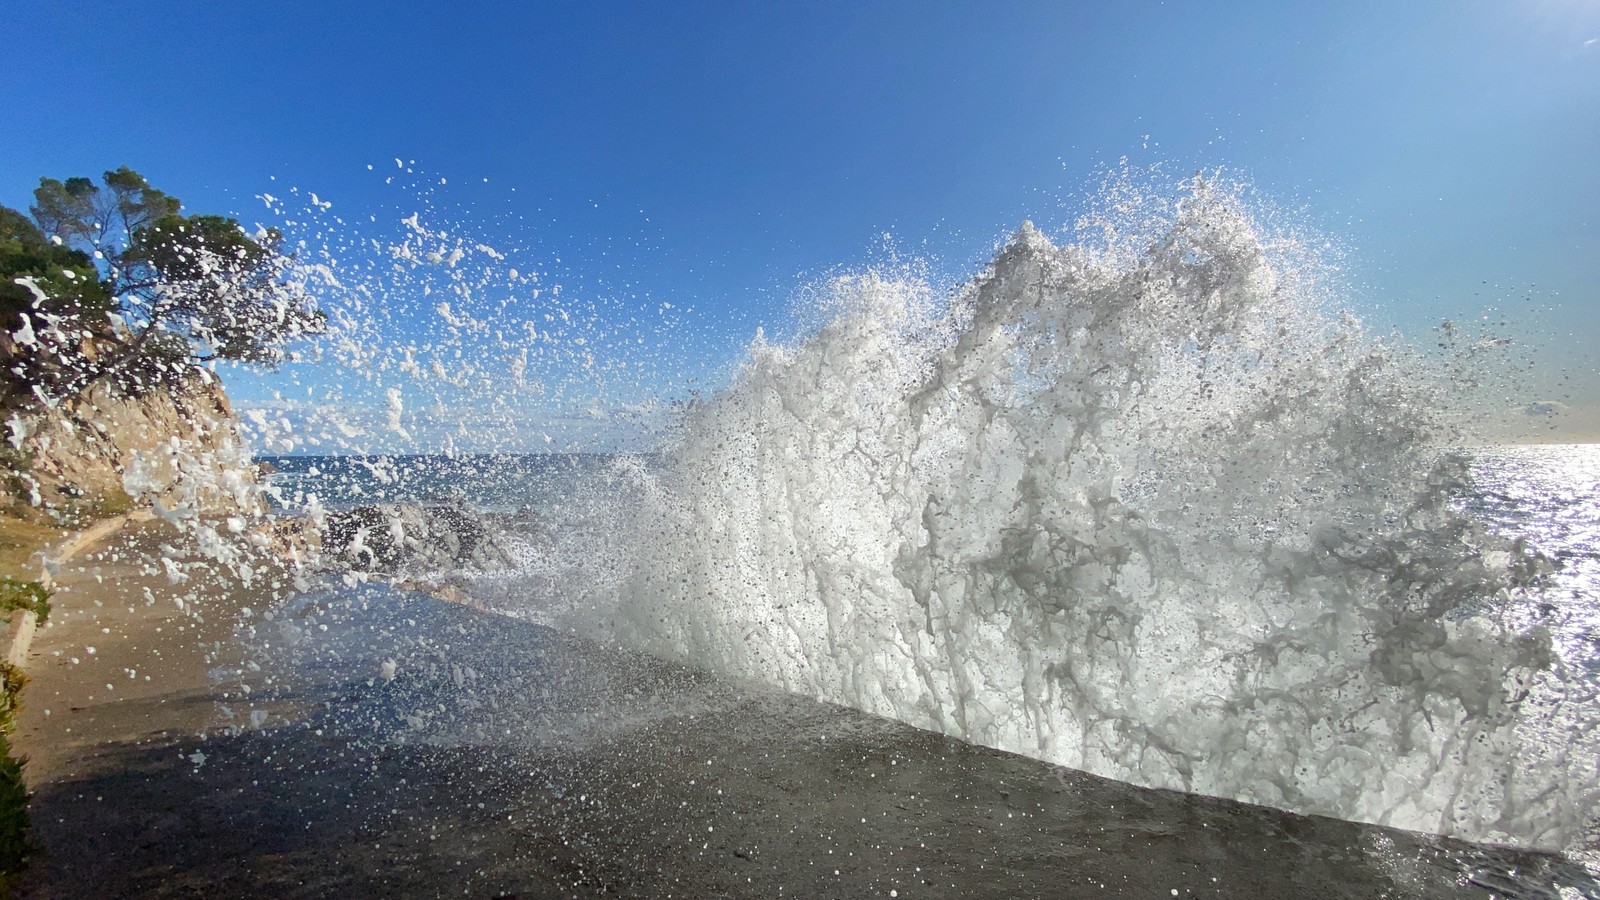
x=412, y=748
x=18, y=637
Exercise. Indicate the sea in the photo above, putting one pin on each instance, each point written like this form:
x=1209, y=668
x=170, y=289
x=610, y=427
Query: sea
x=503, y=483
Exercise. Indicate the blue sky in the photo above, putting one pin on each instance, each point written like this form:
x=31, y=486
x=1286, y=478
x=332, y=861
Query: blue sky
x=716, y=156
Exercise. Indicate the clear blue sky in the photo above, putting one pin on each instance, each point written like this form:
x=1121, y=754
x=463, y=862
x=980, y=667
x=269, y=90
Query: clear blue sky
x=716, y=155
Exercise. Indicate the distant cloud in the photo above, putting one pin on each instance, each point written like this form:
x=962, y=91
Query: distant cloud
x=1590, y=42
x=1545, y=408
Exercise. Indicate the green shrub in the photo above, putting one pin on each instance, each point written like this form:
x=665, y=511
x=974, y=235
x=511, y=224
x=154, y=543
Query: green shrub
x=14, y=842
x=12, y=680
x=29, y=595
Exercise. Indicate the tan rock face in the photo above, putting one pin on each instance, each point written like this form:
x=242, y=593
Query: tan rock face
x=108, y=451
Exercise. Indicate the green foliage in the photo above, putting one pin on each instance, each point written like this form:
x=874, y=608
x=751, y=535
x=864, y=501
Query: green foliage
x=12, y=681
x=79, y=511
x=221, y=287
x=66, y=276
x=14, y=843
x=52, y=299
x=78, y=211
x=23, y=595
x=15, y=460
x=60, y=208
x=179, y=290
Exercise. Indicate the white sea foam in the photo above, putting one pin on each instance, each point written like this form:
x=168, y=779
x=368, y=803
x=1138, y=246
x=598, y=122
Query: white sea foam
x=1137, y=504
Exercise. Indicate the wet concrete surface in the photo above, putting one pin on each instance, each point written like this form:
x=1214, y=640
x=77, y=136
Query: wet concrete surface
x=390, y=745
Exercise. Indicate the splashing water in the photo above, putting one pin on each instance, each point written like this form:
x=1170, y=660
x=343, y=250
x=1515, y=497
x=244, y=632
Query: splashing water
x=1137, y=504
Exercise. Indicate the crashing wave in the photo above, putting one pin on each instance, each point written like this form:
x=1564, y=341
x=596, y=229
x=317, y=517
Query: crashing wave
x=1138, y=505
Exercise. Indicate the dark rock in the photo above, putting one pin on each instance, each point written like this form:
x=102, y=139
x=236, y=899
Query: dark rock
x=410, y=539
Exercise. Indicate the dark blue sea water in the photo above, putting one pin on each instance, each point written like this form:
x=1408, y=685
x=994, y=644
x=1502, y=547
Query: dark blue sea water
x=489, y=482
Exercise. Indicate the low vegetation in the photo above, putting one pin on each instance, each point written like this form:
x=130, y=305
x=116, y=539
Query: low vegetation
x=16, y=598
x=23, y=596
x=14, y=843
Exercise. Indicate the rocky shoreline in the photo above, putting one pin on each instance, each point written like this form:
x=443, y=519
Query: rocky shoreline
x=410, y=539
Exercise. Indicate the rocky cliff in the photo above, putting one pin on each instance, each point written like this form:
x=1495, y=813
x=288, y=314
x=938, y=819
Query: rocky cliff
x=109, y=450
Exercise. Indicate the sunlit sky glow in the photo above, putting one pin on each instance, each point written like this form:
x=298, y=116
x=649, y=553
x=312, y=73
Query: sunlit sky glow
x=699, y=163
